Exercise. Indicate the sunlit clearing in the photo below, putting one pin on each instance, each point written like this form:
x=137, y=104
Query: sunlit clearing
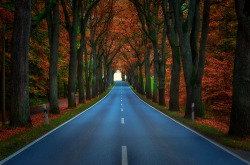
x=118, y=76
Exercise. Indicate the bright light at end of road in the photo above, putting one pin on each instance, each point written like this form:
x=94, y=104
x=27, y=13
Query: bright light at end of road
x=118, y=76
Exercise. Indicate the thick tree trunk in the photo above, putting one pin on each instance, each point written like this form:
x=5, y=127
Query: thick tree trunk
x=240, y=115
x=141, y=84
x=187, y=68
x=156, y=65
x=147, y=74
x=105, y=74
x=162, y=70
x=174, y=86
x=65, y=93
x=176, y=64
x=197, y=89
x=88, y=97
x=80, y=63
x=73, y=58
x=80, y=78
x=193, y=62
x=20, y=112
x=100, y=77
x=162, y=84
x=54, y=28
x=94, y=82
x=3, y=105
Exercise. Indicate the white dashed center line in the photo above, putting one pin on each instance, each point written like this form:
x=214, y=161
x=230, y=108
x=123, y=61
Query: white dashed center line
x=124, y=155
x=122, y=120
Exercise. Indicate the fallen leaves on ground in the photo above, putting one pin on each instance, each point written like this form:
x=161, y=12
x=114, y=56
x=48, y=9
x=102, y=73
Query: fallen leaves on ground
x=37, y=120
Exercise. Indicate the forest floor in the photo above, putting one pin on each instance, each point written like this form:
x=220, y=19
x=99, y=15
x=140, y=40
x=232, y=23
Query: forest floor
x=37, y=118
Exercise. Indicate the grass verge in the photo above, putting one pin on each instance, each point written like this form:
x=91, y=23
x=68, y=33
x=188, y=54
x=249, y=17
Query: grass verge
x=11, y=145
x=208, y=131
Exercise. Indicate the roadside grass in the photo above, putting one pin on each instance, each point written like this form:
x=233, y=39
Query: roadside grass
x=16, y=142
x=208, y=131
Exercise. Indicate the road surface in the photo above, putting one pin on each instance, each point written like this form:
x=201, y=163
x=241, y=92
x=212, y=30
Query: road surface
x=122, y=130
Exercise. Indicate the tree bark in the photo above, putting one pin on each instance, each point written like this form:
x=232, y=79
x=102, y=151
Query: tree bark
x=240, y=115
x=80, y=60
x=188, y=31
x=20, y=112
x=141, y=84
x=93, y=52
x=73, y=57
x=197, y=90
x=156, y=66
x=147, y=74
x=53, y=31
x=176, y=64
x=3, y=99
x=162, y=68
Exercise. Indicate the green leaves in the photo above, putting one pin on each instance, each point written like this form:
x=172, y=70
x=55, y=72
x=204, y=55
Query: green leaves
x=184, y=8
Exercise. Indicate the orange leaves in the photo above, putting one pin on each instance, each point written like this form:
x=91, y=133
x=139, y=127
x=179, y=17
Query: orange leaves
x=37, y=120
x=219, y=126
x=6, y=16
x=217, y=81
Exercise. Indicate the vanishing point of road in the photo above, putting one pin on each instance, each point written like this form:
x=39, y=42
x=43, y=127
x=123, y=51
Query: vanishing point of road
x=122, y=130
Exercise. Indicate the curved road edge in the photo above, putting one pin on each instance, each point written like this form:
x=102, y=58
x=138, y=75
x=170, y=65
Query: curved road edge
x=206, y=138
x=43, y=136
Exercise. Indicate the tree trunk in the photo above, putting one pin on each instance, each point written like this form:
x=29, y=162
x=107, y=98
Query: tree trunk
x=73, y=58
x=105, y=74
x=100, y=82
x=156, y=65
x=147, y=74
x=65, y=93
x=162, y=70
x=3, y=105
x=93, y=52
x=175, y=83
x=187, y=68
x=20, y=112
x=141, y=84
x=193, y=62
x=80, y=63
x=176, y=64
x=240, y=115
x=54, y=29
x=197, y=89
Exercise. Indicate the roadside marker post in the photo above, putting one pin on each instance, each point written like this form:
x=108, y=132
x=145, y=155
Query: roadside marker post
x=192, y=115
x=46, y=114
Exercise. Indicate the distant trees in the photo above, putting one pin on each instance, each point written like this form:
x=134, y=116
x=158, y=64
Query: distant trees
x=148, y=13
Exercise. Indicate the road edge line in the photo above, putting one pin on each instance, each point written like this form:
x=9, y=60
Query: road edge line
x=211, y=141
x=40, y=138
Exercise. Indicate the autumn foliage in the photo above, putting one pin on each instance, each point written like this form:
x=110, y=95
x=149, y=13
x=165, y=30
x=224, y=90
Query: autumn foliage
x=115, y=40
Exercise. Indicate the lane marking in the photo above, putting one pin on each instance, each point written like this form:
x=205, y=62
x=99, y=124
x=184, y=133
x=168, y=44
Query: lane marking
x=124, y=155
x=37, y=140
x=122, y=121
x=121, y=109
x=121, y=104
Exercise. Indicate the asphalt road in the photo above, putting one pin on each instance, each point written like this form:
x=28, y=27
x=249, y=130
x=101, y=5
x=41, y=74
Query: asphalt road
x=122, y=130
